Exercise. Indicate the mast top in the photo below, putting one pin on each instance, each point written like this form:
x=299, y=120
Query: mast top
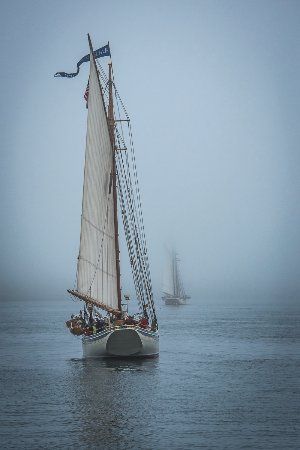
x=90, y=42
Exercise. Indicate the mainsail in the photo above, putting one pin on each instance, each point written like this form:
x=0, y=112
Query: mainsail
x=97, y=269
x=110, y=172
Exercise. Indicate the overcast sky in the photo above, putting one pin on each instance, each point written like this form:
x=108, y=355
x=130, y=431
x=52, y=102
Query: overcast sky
x=212, y=88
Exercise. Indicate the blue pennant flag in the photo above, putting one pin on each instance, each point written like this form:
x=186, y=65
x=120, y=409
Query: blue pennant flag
x=103, y=51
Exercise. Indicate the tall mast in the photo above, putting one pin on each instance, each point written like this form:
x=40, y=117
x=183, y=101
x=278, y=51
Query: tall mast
x=174, y=274
x=111, y=127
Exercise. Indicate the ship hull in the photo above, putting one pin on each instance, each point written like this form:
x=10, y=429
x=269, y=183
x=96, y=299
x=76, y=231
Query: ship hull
x=174, y=301
x=133, y=342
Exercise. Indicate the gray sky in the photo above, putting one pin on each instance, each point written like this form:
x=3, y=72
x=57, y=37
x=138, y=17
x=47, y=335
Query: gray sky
x=212, y=88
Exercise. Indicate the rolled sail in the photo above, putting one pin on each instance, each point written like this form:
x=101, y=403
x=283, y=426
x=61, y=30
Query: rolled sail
x=96, y=269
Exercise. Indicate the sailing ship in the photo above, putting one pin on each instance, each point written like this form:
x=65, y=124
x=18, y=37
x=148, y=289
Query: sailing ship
x=173, y=290
x=111, y=190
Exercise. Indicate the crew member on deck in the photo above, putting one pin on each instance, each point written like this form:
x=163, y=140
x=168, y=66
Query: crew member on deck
x=143, y=322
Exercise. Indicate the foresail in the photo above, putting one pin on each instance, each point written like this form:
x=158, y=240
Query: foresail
x=96, y=270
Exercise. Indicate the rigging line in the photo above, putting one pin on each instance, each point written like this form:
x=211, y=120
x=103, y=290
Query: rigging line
x=127, y=176
x=146, y=281
x=138, y=195
x=119, y=116
x=120, y=139
x=145, y=257
x=135, y=272
x=135, y=176
x=133, y=236
x=139, y=210
x=118, y=100
x=131, y=226
x=125, y=194
x=104, y=85
x=142, y=255
x=101, y=69
x=138, y=287
x=132, y=193
x=129, y=245
x=105, y=81
x=101, y=72
x=129, y=191
x=121, y=102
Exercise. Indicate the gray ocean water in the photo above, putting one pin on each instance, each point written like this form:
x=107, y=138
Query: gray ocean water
x=227, y=378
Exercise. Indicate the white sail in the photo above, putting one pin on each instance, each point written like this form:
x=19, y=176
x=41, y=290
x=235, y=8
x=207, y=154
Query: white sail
x=172, y=282
x=96, y=270
x=168, y=284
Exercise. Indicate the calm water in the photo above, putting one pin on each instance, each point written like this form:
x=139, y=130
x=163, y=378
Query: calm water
x=227, y=377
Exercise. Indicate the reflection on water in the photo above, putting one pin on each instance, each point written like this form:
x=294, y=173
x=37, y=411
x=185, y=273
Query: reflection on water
x=119, y=364
x=107, y=399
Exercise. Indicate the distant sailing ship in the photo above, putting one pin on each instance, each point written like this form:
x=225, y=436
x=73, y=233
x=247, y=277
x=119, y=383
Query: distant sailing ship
x=173, y=290
x=111, y=186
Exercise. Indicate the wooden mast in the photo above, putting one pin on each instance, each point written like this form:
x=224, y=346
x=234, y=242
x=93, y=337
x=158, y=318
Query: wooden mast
x=111, y=126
